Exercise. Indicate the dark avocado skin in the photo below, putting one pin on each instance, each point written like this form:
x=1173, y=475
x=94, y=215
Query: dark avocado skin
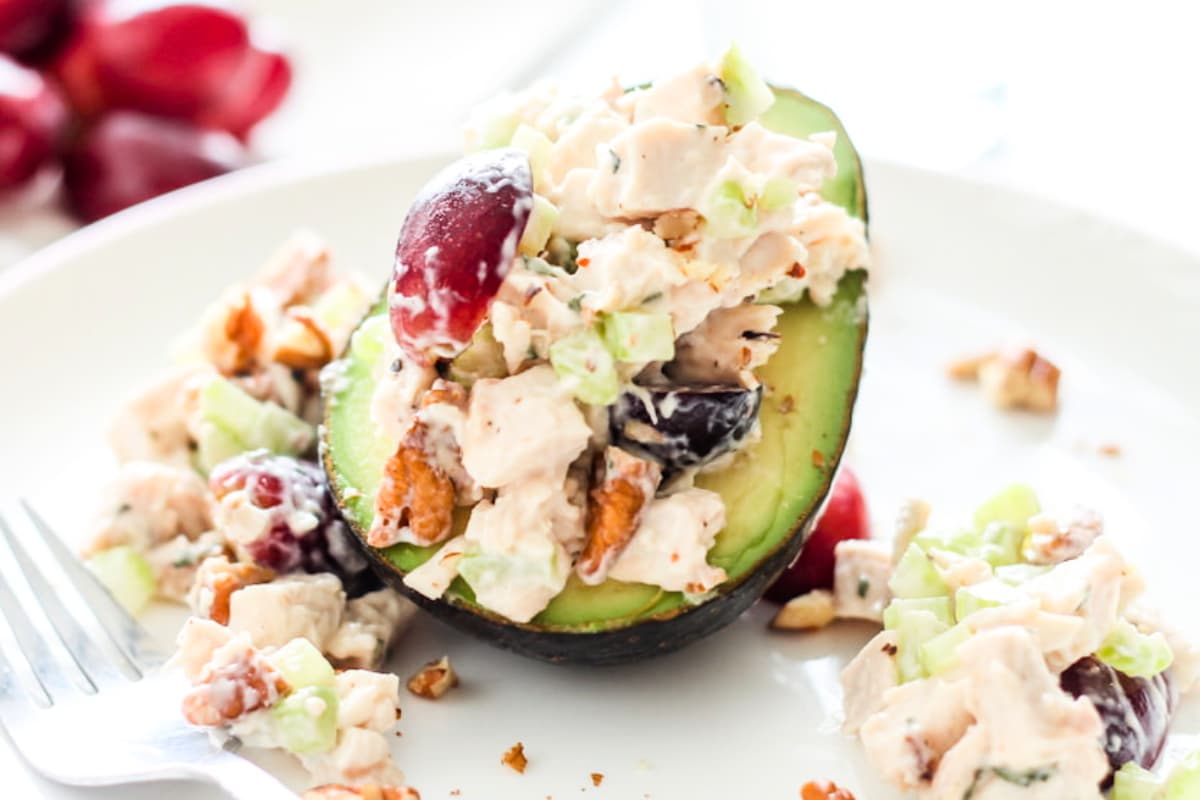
x=667, y=632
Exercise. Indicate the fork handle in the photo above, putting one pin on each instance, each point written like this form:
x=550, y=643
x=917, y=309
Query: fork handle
x=245, y=780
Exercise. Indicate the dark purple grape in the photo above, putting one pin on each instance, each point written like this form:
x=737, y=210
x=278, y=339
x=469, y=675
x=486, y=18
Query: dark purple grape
x=304, y=531
x=1136, y=711
x=456, y=245
x=689, y=425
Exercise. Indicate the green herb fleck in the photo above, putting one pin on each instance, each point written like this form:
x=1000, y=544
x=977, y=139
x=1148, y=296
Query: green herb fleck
x=183, y=561
x=864, y=586
x=537, y=265
x=1027, y=777
x=650, y=298
x=638, y=87
x=616, y=159
x=575, y=303
x=124, y=508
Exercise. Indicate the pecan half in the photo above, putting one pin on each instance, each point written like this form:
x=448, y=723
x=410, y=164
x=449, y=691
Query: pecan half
x=415, y=493
x=615, y=507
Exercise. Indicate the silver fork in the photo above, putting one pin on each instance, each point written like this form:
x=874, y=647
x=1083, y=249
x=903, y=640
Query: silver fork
x=81, y=717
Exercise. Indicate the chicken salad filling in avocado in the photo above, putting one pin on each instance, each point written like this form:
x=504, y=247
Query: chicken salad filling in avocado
x=557, y=425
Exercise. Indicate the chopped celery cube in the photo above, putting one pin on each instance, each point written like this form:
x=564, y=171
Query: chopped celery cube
x=941, y=652
x=306, y=720
x=539, y=227
x=988, y=594
x=495, y=127
x=1137, y=654
x=240, y=423
x=728, y=212
x=1184, y=781
x=1016, y=574
x=302, y=664
x=746, y=94
x=368, y=342
x=898, y=608
x=637, y=336
x=1016, y=504
x=962, y=541
x=1132, y=782
x=777, y=193
x=915, y=576
x=914, y=629
x=1002, y=543
x=341, y=307
x=535, y=144
x=581, y=360
x=127, y=576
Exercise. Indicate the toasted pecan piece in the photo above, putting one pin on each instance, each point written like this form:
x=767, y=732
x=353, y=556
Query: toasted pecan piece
x=237, y=681
x=224, y=578
x=514, y=758
x=415, y=493
x=615, y=507
x=434, y=679
x=370, y=791
x=301, y=342
x=824, y=790
x=1014, y=378
x=243, y=330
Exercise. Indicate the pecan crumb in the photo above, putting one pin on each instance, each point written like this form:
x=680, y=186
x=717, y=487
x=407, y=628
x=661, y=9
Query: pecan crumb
x=891, y=649
x=597, y=778
x=787, y=405
x=333, y=791
x=434, y=679
x=515, y=758
x=1109, y=449
x=1013, y=378
x=824, y=790
x=818, y=459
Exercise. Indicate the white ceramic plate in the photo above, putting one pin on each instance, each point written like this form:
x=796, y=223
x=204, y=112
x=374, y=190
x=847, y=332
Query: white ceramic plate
x=745, y=713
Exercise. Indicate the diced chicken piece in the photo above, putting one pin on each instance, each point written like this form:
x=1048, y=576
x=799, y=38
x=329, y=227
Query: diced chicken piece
x=1057, y=634
x=727, y=346
x=273, y=383
x=860, y=578
x=1029, y=740
x=657, y=166
x=806, y=163
x=434, y=577
x=578, y=218
x=434, y=679
x=919, y=722
x=867, y=678
x=773, y=256
x=153, y=425
x=370, y=791
x=360, y=756
x=625, y=485
x=911, y=520
x=368, y=700
x=522, y=427
x=369, y=625
x=835, y=243
x=625, y=270
x=148, y=504
x=1054, y=540
x=577, y=145
x=198, y=639
x=299, y=271
x=956, y=570
x=809, y=611
x=235, y=681
x=531, y=311
x=397, y=393
x=695, y=96
x=1013, y=378
x=216, y=581
x=671, y=545
x=297, y=606
x=175, y=563
x=517, y=542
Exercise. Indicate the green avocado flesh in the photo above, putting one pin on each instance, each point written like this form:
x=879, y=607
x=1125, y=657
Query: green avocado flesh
x=770, y=490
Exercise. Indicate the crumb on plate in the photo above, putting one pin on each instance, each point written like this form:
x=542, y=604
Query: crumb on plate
x=434, y=679
x=809, y=611
x=1013, y=378
x=597, y=778
x=515, y=758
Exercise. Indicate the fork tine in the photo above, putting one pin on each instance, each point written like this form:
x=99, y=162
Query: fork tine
x=15, y=701
x=94, y=664
x=47, y=669
x=130, y=638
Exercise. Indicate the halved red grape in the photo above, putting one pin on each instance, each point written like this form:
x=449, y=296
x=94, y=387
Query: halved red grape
x=456, y=245
x=303, y=531
x=844, y=517
x=1136, y=711
x=33, y=119
x=28, y=27
x=265, y=80
x=128, y=158
x=684, y=426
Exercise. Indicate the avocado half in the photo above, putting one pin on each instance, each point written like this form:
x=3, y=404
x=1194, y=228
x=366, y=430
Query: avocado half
x=773, y=490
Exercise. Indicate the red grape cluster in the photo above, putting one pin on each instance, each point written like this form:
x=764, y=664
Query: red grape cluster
x=303, y=531
x=133, y=97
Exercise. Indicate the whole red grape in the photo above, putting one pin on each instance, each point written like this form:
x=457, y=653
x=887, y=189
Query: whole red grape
x=29, y=27
x=455, y=247
x=199, y=62
x=33, y=120
x=127, y=158
x=844, y=517
x=301, y=530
